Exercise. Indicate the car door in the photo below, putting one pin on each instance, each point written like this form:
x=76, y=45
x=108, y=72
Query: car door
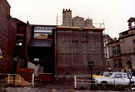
x=125, y=79
x=118, y=79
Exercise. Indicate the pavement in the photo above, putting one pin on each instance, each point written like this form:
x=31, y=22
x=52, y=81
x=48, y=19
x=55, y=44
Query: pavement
x=56, y=84
x=29, y=89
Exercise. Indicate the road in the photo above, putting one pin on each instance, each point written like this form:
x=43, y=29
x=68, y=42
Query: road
x=29, y=89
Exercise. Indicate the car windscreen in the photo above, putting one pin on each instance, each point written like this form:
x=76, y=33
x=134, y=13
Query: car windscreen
x=108, y=75
x=101, y=74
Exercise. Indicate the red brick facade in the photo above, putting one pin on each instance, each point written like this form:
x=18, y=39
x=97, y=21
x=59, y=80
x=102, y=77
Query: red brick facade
x=7, y=37
x=21, y=43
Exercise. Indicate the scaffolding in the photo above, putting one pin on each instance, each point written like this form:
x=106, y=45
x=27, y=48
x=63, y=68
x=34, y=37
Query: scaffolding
x=59, y=22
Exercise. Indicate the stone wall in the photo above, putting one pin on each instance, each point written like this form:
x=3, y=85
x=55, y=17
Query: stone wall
x=67, y=17
x=75, y=21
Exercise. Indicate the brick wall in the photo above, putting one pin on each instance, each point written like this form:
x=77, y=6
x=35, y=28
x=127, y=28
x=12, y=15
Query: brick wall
x=73, y=50
x=7, y=36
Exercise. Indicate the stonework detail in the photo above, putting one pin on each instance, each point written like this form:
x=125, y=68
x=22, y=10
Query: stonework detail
x=122, y=50
x=75, y=21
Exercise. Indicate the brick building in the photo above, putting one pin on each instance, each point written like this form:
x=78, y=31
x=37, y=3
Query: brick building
x=77, y=42
x=65, y=50
x=62, y=50
x=7, y=37
x=23, y=32
x=40, y=50
x=75, y=47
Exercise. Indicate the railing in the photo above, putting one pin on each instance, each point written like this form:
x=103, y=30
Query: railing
x=10, y=78
x=79, y=82
x=19, y=81
x=99, y=25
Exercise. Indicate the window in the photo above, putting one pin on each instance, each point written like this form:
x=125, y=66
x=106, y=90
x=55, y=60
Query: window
x=134, y=41
x=118, y=49
x=0, y=53
x=38, y=28
x=114, y=50
x=108, y=75
x=36, y=59
x=47, y=28
x=118, y=75
x=40, y=36
x=124, y=75
x=119, y=63
x=19, y=44
x=115, y=63
x=133, y=24
x=1, y=57
x=42, y=28
x=35, y=28
x=43, y=32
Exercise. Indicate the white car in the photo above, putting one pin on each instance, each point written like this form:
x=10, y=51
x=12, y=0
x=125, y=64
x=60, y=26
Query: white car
x=115, y=78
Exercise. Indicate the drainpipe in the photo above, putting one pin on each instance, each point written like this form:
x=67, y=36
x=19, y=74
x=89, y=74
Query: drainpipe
x=25, y=62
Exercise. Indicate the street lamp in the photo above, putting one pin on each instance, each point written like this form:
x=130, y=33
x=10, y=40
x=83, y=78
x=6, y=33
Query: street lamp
x=15, y=60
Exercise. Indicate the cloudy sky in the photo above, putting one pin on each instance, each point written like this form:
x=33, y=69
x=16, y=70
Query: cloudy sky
x=114, y=13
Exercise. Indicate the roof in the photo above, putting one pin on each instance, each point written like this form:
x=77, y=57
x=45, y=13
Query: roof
x=113, y=42
x=107, y=36
x=78, y=28
x=5, y=2
x=67, y=27
x=19, y=21
x=44, y=25
x=131, y=19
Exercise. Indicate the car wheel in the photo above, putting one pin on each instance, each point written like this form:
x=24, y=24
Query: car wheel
x=104, y=84
x=131, y=83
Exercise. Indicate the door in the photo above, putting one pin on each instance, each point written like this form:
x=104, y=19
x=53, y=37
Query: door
x=118, y=79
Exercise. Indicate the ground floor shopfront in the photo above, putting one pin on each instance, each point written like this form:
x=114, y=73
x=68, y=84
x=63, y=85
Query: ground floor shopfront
x=41, y=59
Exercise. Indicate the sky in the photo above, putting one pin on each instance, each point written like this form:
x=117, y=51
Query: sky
x=113, y=13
